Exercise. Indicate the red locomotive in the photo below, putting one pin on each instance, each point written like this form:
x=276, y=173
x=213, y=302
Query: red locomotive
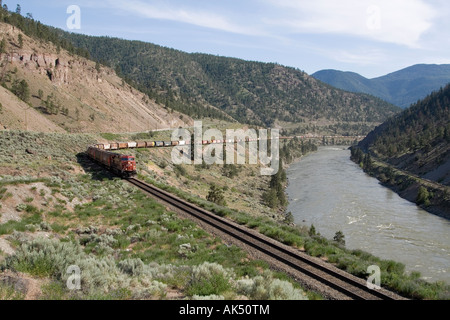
x=123, y=165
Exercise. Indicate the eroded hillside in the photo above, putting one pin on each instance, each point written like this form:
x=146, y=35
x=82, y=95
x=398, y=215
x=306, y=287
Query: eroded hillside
x=51, y=90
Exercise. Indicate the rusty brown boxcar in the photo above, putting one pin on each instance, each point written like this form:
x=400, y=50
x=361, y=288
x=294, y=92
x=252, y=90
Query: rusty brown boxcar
x=114, y=146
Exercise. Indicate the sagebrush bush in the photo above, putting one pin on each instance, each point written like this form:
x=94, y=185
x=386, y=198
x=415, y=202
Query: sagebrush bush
x=265, y=287
x=133, y=267
x=209, y=279
x=43, y=257
x=99, y=275
x=210, y=297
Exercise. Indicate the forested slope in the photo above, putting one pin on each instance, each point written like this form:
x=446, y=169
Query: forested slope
x=259, y=93
x=418, y=139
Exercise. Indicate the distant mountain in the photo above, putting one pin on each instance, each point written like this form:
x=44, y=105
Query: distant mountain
x=401, y=88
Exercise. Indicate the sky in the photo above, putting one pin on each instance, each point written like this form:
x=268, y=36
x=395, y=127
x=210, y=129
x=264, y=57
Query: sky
x=369, y=37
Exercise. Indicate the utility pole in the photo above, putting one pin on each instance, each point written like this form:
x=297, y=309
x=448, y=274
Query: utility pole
x=26, y=118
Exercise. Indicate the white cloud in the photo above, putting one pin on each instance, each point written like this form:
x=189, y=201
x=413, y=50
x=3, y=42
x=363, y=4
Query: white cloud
x=165, y=11
x=361, y=58
x=393, y=21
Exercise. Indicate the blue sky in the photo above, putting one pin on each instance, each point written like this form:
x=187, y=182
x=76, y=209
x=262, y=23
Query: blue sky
x=370, y=37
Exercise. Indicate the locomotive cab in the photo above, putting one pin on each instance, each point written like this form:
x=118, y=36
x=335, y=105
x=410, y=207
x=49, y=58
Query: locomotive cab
x=128, y=165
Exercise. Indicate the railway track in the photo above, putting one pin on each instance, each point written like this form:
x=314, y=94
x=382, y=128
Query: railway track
x=338, y=284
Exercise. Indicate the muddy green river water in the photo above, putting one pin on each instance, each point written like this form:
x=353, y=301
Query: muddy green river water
x=331, y=192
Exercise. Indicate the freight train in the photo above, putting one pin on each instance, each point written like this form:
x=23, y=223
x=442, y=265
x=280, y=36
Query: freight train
x=152, y=144
x=120, y=164
x=125, y=165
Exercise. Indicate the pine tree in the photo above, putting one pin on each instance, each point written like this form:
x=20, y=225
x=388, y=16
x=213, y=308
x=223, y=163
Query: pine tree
x=3, y=46
x=21, y=90
x=312, y=231
x=339, y=238
x=20, y=41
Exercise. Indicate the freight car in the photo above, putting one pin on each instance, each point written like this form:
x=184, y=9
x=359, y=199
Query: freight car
x=122, y=165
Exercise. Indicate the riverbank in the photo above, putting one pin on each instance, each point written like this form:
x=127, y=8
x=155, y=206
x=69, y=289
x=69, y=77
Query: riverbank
x=428, y=195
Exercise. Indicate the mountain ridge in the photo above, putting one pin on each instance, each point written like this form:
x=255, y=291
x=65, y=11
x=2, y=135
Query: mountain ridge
x=401, y=88
x=264, y=94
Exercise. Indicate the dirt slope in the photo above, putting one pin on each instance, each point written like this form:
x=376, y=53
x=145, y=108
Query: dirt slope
x=72, y=92
x=16, y=114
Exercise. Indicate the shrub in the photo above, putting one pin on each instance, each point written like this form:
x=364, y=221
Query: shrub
x=21, y=207
x=209, y=279
x=423, y=197
x=215, y=195
x=265, y=287
x=132, y=267
x=210, y=297
x=43, y=257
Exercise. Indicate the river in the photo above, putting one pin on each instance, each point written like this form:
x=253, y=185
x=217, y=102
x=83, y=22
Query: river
x=331, y=192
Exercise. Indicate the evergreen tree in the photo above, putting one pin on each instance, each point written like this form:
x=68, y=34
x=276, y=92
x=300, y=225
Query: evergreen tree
x=20, y=39
x=271, y=199
x=3, y=46
x=21, y=90
x=276, y=196
x=339, y=238
x=312, y=231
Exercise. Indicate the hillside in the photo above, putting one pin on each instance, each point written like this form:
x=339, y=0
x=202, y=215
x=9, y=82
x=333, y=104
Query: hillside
x=411, y=153
x=401, y=88
x=265, y=94
x=48, y=89
x=418, y=139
